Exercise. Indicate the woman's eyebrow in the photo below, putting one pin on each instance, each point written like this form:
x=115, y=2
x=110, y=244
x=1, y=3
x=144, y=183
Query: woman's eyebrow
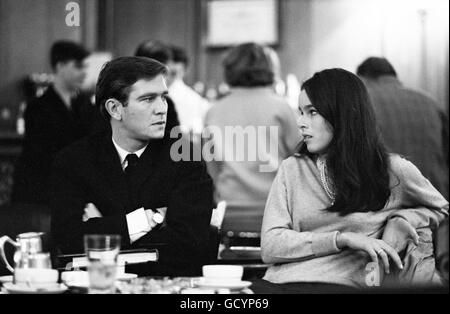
x=305, y=108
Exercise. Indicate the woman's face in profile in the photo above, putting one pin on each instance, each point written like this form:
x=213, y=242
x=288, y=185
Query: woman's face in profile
x=317, y=132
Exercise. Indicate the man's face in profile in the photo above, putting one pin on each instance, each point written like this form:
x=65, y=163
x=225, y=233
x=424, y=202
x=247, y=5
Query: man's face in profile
x=144, y=116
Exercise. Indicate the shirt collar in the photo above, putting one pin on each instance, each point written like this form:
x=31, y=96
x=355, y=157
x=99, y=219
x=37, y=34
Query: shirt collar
x=123, y=153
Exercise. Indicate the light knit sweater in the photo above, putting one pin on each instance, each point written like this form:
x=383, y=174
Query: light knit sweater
x=299, y=236
x=241, y=182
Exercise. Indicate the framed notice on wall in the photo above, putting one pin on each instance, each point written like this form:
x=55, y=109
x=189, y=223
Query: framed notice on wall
x=232, y=22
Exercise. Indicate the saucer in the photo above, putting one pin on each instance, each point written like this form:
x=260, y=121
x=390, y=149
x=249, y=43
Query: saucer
x=126, y=276
x=81, y=280
x=5, y=279
x=232, y=285
x=24, y=289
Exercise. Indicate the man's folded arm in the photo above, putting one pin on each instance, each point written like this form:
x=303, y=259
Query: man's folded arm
x=67, y=202
x=189, y=212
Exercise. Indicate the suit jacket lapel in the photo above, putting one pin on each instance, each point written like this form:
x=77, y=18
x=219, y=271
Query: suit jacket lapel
x=108, y=163
x=148, y=163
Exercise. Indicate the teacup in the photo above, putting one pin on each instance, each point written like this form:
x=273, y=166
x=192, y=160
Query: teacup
x=36, y=277
x=223, y=273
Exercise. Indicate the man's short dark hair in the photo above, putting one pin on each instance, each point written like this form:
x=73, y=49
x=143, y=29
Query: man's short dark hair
x=179, y=55
x=65, y=50
x=154, y=49
x=117, y=77
x=248, y=65
x=374, y=67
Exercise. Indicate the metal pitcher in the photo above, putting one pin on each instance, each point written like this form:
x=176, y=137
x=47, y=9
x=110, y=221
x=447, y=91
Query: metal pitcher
x=28, y=252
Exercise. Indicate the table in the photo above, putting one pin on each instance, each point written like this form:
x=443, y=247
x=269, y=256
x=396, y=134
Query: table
x=156, y=285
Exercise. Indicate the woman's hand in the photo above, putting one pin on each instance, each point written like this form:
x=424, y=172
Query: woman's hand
x=397, y=233
x=374, y=247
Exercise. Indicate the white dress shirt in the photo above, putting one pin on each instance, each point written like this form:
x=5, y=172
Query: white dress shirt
x=137, y=221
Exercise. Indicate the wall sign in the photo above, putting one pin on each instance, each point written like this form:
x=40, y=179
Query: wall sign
x=232, y=22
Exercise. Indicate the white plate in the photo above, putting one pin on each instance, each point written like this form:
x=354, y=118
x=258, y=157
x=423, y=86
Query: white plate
x=13, y=288
x=236, y=285
x=80, y=279
x=4, y=279
x=80, y=283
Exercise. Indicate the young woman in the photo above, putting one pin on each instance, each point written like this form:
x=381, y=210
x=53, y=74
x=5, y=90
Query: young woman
x=342, y=202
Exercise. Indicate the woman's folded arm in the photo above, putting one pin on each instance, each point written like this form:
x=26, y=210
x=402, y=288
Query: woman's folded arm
x=279, y=241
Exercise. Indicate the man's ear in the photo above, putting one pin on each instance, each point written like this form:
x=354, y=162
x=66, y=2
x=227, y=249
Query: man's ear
x=114, y=108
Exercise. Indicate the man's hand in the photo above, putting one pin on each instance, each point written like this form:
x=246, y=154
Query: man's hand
x=90, y=211
x=397, y=233
x=152, y=219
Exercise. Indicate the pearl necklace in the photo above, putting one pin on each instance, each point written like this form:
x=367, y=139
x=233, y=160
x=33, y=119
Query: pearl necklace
x=322, y=166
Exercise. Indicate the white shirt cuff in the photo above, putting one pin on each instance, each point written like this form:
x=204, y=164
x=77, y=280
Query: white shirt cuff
x=136, y=236
x=137, y=223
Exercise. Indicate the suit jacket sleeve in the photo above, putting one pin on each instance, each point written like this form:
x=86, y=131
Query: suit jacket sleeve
x=188, y=215
x=67, y=202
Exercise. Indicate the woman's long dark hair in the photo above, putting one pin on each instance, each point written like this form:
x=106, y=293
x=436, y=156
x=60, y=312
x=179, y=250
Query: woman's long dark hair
x=357, y=161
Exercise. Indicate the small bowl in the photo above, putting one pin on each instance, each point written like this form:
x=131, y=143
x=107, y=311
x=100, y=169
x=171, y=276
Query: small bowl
x=223, y=273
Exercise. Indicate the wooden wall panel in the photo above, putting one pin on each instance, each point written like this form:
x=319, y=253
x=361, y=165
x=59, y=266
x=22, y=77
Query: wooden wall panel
x=170, y=21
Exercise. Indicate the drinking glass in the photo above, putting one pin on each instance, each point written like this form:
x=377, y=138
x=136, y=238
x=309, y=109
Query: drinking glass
x=102, y=251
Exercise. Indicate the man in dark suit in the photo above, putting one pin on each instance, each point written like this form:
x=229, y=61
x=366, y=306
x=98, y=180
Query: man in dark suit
x=125, y=181
x=56, y=119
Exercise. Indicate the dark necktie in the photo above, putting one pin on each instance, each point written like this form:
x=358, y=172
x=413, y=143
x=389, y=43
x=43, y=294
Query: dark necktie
x=130, y=173
x=132, y=160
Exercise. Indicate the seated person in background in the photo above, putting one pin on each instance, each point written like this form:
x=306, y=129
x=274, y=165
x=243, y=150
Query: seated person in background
x=56, y=119
x=125, y=181
x=160, y=52
x=342, y=201
x=191, y=107
x=93, y=65
x=255, y=113
x=412, y=123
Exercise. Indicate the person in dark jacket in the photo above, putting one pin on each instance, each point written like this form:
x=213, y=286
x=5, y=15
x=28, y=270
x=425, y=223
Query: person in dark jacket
x=58, y=118
x=124, y=181
x=412, y=124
